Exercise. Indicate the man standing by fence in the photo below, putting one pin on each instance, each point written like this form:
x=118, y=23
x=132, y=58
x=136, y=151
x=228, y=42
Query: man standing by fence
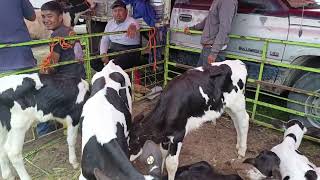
x=216, y=28
x=14, y=30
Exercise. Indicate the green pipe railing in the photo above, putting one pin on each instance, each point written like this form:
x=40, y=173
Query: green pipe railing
x=167, y=63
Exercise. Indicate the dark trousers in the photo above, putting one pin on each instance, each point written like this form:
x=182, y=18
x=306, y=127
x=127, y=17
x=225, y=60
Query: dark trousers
x=203, y=61
x=127, y=60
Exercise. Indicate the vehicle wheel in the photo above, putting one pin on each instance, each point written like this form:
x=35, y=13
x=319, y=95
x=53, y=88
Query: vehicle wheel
x=309, y=82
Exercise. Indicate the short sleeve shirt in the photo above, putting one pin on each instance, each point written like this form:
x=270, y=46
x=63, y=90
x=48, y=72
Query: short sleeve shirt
x=66, y=54
x=14, y=30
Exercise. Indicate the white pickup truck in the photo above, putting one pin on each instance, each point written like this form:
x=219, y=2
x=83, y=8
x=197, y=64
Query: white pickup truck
x=274, y=19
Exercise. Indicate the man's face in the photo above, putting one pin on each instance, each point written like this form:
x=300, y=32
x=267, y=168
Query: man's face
x=119, y=14
x=51, y=19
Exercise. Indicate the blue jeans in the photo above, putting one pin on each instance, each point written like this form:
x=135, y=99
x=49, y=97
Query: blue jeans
x=204, y=56
x=45, y=128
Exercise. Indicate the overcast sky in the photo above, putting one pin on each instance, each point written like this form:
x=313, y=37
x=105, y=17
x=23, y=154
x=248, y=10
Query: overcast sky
x=38, y=3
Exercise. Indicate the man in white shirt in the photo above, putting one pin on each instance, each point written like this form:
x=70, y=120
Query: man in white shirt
x=119, y=42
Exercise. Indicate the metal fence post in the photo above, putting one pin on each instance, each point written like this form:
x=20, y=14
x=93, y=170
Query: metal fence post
x=87, y=58
x=166, y=58
x=263, y=60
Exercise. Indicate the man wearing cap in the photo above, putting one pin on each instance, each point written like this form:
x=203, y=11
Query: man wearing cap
x=119, y=42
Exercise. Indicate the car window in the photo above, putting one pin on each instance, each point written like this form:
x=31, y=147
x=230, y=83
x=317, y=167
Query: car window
x=254, y=5
x=194, y=2
x=306, y=3
x=260, y=6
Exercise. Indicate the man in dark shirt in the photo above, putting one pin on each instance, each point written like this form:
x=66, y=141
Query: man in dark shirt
x=14, y=30
x=52, y=15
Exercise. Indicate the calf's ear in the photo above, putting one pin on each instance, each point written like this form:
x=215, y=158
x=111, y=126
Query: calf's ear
x=99, y=175
x=152, y=158
x=251, y=161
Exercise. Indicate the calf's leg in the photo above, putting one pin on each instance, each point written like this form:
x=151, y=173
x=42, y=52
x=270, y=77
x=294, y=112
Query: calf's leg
x=71, y=139
x=240, y=118
x=172, y=160
x=13, y=148
x=164, y=153
x=4, y=161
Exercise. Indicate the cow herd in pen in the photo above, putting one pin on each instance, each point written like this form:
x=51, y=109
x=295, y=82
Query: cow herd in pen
x=112, y=138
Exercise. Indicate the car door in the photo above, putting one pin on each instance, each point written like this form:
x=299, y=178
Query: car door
x=263, y=19
x=260, y=18
x=187, y=13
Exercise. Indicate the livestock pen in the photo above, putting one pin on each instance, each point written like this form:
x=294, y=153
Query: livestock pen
x=46, y=157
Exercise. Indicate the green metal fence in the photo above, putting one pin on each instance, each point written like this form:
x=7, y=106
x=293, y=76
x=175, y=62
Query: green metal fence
x=266, y=108
x=263, y=111
x=258, y=107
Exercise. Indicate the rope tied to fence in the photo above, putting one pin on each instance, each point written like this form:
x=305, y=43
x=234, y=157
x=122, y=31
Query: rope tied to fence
x=152, y=43
x=45, y=66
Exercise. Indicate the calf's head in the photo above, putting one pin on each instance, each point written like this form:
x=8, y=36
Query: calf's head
x=296, y=130
x=201, y=170
x=151, y=158
x=267, y=162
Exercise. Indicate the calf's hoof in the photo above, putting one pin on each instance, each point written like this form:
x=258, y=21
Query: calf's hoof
x=11, y=178
x=75, y=165
x=241, y=153
x=237, y=146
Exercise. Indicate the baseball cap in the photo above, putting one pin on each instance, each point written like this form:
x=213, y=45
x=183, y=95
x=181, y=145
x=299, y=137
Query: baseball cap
x=118, y=3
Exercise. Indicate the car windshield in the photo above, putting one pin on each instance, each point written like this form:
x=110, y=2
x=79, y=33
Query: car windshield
x=305, y=3
x=193, y=2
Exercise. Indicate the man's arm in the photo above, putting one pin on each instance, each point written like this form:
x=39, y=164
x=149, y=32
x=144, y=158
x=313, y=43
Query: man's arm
x=55, y=56
x=133, y=29
x=104, y=45
x=199, y=26
x=227, y=12
x=78, y=52
x=105, y=42
x=28, y=11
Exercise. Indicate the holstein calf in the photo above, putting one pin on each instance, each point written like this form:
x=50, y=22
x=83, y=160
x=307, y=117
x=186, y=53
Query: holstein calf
x=197, y=96
x=105, y=128
x=201, y=171
x=27, y=98
x=292, y=165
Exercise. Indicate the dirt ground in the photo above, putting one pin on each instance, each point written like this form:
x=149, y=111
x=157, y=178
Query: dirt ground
x=215, y=144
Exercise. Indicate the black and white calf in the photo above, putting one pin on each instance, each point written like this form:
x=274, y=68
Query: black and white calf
x=197, y=96
x=201, y=171
x=105, y=128
x=27, y=98
x=292, y=164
